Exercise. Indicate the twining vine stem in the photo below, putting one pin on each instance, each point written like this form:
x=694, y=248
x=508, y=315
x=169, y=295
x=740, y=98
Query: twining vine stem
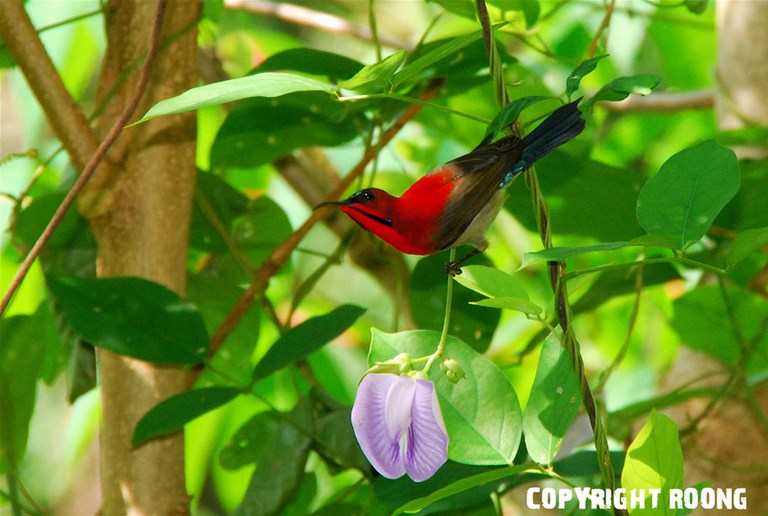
x=557, y=276
x=93, y=162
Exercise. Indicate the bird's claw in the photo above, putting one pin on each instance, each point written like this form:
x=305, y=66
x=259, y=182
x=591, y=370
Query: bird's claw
x=453, y=268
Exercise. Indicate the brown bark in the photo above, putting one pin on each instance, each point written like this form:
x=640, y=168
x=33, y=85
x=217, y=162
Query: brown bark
x=143, y=231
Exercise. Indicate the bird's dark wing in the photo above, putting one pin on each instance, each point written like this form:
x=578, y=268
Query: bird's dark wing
x=478, y=176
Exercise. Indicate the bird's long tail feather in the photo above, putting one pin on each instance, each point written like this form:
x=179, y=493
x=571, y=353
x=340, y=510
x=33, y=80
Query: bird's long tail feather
x=564, y=124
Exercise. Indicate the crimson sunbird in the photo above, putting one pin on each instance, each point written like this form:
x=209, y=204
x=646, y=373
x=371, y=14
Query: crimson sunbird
x=455, y=204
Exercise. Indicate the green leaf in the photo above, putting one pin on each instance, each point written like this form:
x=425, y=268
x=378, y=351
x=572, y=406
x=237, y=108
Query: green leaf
x=336, y=439
x=22, y=354
x=509, y=114
x=472, y=324
x=309, y=336
x=623, y=87
x=132, y=316
x=703, y=324
x=654, y=461
x=559, y=254
x=554, y=403
x=267, y=84
x=531, y=11
x=747, y=209
x=688, y=192
x=171, y=415
x=584, y=69
x=460, y=486
x=280, y=452
x=310, y=61
x=448, y=48
x=375, y=77
x=745, y=243
x=511, y=303
x=490, y=282
x=586, y=198
x=262, y=130
x=481, y=412
x=696, y=6
x=463, y=8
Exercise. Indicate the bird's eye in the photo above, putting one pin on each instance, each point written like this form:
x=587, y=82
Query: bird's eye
x=367, y=196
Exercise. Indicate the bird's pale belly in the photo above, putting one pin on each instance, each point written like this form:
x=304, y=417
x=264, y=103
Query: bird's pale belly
x=475, y=232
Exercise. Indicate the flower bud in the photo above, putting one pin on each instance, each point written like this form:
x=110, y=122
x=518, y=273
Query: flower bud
x=452, y=370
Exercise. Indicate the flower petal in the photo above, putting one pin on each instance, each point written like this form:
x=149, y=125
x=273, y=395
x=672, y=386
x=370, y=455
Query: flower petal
x=369, y=420
x=427, y=438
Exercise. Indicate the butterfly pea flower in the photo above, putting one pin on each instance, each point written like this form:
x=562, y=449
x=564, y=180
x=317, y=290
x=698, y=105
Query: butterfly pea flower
x=399, y=426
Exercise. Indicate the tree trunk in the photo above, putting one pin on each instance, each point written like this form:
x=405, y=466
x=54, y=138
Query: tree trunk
x=141, y=223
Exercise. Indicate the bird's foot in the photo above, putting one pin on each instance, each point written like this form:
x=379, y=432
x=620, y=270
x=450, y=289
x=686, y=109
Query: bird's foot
x=453, y=268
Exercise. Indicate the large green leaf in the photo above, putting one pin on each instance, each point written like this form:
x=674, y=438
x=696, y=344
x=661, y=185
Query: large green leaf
x=585, y=68
x=702, y=322
x=261, y=130
x=279, y=451
x=309, y=336
x=446, y=49
x=688, y=192
x=335, y=439
x=747, y=209
x=22, y=354
x=554, y=403
x=472, y=324
x=481, y=411
x=310, y=61
x=267, y=84
x=172, y=414
x=585, y=197
x=654, y=461
x=746, y=243
x=132, y=316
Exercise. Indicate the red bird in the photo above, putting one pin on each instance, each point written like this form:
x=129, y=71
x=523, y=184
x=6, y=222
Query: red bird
x=456, y=203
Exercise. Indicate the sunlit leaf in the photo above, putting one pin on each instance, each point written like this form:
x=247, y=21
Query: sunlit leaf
x=132, y=316
x=172, y=414
x=309, y=336
x=654, y=461
x=584, y=68
x=623, y=87
x=559, y=254
x=463, y=8
x=375, y=77
x=481, y=411
x=511, y=303
x=267, y=84
x=21, y=356
x=688, y=192
x=554, y=403
x=490, y=282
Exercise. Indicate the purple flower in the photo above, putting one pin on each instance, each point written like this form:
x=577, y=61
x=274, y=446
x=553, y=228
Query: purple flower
x=399, y=426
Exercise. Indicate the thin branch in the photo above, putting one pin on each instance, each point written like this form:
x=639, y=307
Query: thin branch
x=307, y=17
x=280, y=255
x=68, y=121
x=663, y=102
x=601, y=28
x=95, y=159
